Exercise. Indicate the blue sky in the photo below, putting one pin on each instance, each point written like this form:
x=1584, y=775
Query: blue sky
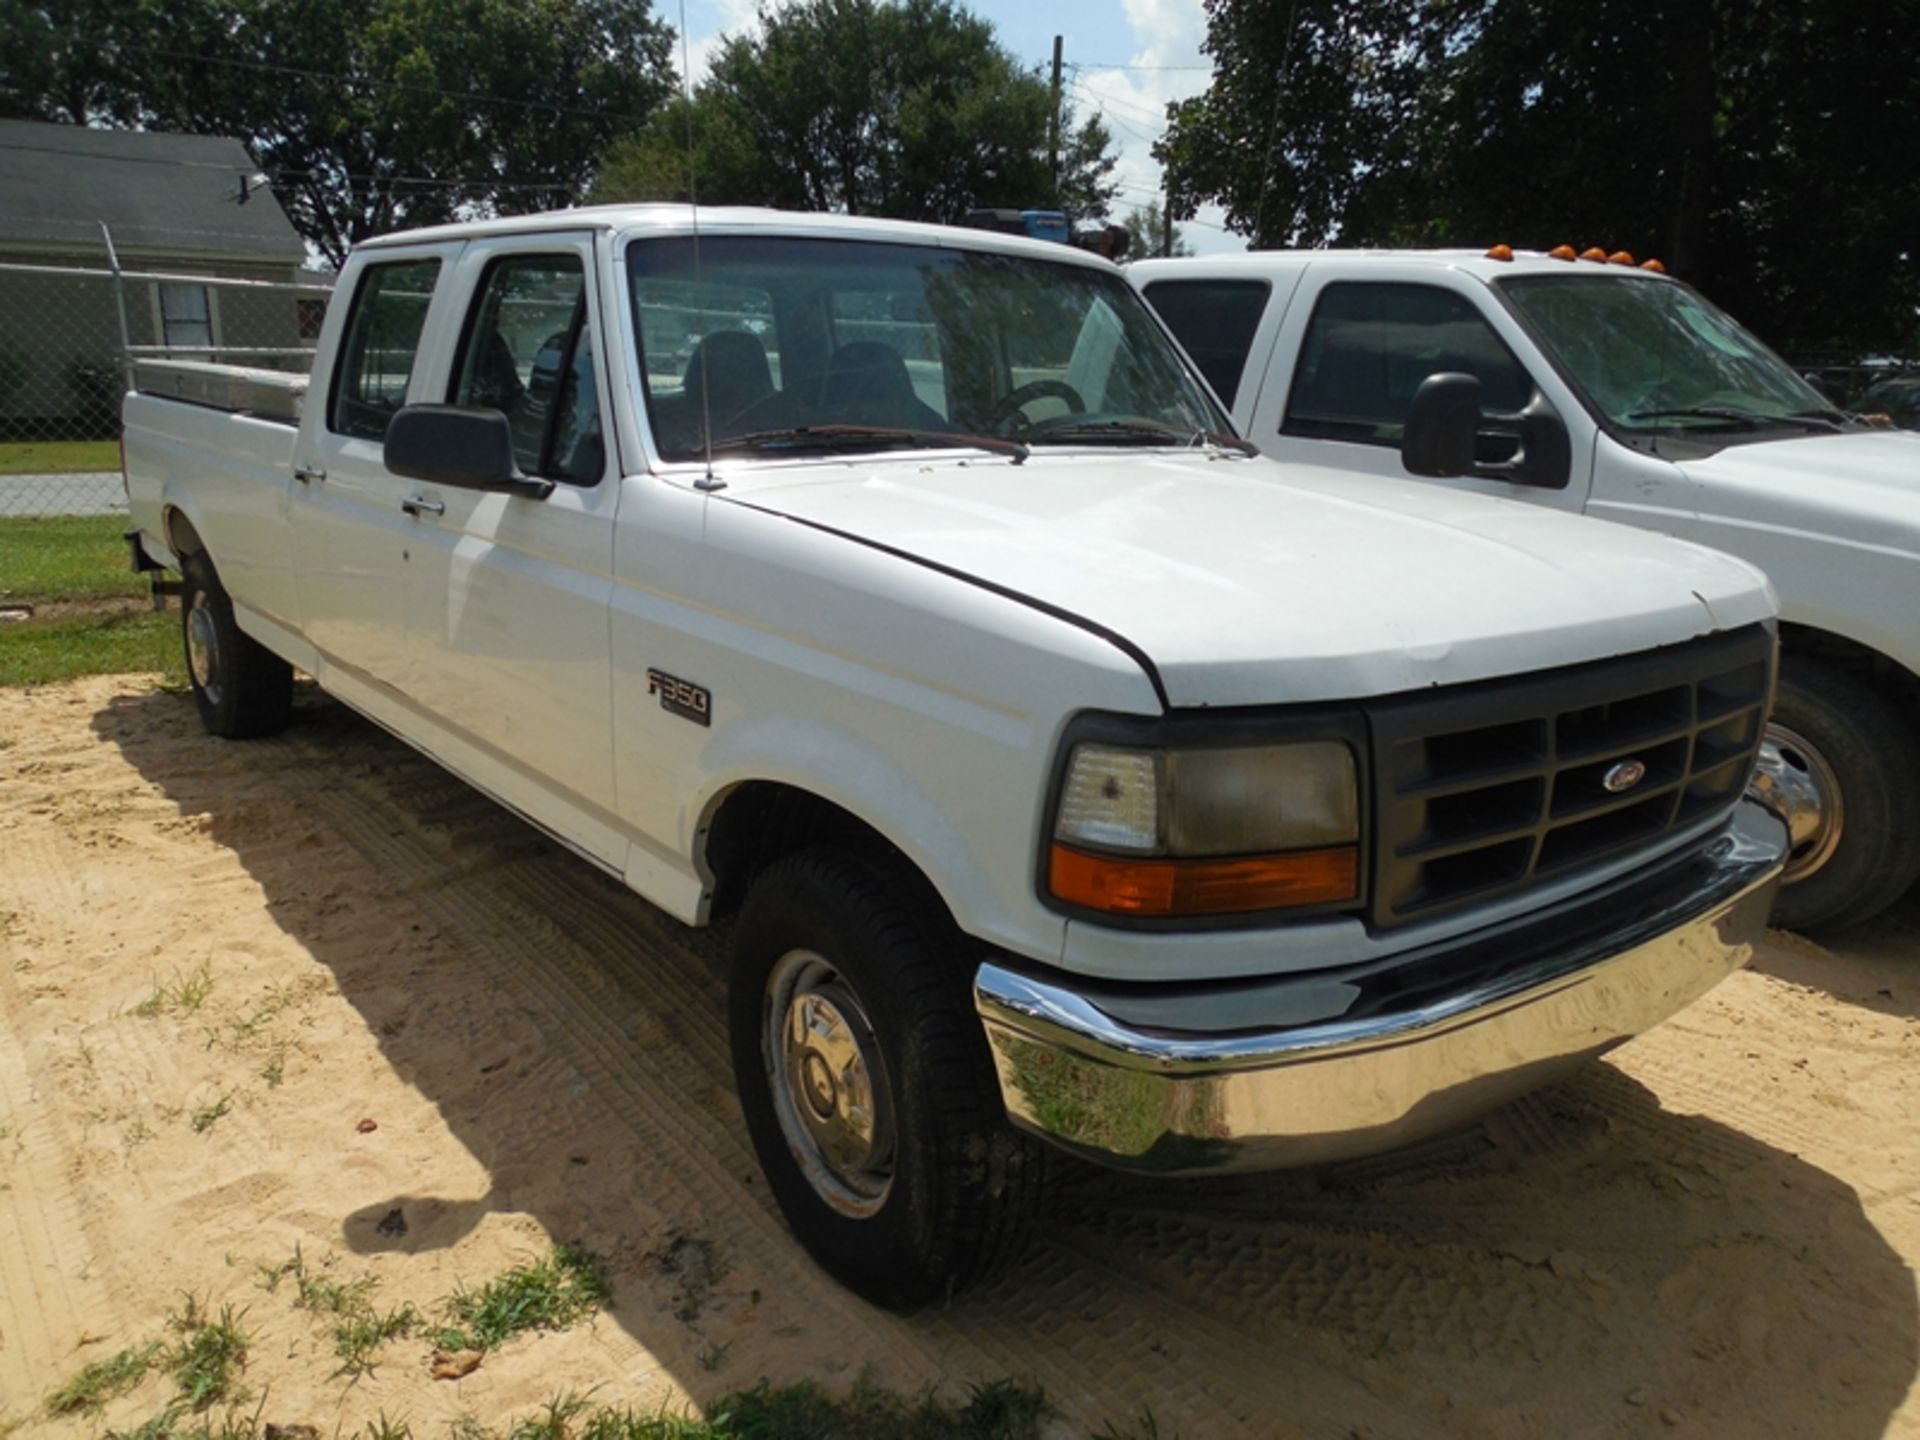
x=1126, y=58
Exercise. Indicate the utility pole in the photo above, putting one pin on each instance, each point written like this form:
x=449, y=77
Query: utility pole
x=1053, y=130
x=1166, y=217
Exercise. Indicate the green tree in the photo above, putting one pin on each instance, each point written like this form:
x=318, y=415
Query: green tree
x=1769, y=153
x=1146, y=232
x=366, y=115
x=910, y=110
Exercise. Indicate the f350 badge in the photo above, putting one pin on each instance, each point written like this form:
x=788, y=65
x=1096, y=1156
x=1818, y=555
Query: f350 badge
x=681, y=697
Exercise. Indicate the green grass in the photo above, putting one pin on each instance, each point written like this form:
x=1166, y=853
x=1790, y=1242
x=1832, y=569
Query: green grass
x=210, y=1114
x=1000, y=1411
x=66, y=558
x=78, y=559
x=551, y=1295
x=359, y=1330
x=58, y=457
x=185, y=995
x=207, y=1361
x=89, y=1391
x=45, y=652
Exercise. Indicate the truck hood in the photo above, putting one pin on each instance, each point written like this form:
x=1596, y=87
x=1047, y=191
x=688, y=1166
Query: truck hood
x=1249, y=582
x=1863, y=486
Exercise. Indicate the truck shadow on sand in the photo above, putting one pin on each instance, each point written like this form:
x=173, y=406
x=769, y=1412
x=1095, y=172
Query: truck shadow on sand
x=1584, y=1262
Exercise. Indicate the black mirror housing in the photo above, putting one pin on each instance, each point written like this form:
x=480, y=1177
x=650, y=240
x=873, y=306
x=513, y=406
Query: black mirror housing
x=1441, y=428
x=1445, y=422
x=463, y=446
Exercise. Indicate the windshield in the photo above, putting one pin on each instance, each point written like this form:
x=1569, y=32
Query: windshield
x=1652, y=355
x=790, y=343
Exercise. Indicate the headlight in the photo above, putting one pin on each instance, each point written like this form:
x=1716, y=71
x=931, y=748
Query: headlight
x=1207, y=831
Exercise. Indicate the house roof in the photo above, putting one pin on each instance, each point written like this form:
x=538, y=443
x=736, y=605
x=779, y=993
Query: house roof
x=155, y=191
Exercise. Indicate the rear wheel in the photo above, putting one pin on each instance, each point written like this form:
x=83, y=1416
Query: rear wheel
x=1840, y=764
x=240, y=687
x=868, y=1090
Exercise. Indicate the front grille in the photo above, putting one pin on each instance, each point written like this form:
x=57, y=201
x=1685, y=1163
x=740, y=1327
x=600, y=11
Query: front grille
x=1483, y=789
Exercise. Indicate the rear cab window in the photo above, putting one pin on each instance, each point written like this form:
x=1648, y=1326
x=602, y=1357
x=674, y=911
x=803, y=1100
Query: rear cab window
x=1214, y=321
x=381, y=343
x=1370, y=345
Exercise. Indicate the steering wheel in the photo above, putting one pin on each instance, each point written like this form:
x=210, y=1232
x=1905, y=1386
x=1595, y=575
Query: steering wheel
x=1009, y=405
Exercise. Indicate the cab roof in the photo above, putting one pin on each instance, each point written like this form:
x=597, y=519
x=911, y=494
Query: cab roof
x=1473, y=262
x=641, y=220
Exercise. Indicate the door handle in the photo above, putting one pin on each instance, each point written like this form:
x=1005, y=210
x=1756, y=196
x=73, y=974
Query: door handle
x=304, y=473
x=420, y=505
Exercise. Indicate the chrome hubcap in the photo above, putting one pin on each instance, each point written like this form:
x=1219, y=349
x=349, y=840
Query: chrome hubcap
x=203, y=648
x=828, y=1082
x=1793, y=780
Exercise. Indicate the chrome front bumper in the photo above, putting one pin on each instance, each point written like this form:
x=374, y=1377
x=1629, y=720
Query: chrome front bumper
x=1325, y=1065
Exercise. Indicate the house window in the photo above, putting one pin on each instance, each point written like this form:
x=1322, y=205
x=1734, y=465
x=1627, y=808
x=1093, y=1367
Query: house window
x=186, y=316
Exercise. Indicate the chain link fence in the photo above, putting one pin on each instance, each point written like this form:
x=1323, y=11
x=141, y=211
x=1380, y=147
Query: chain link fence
x=68, y=336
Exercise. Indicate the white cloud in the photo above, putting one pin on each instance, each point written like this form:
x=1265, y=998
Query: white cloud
x=1166, y=65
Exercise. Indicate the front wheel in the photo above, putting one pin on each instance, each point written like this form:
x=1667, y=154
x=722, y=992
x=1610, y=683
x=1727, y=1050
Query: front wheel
x=864, y=1074
x=1840, y=764
x=240, y=687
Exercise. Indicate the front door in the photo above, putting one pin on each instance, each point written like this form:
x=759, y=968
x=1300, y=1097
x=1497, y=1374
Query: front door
x=1360, y=348
x=507, y=596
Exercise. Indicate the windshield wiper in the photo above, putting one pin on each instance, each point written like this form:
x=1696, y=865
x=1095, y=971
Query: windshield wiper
x=865, y=437
x=1136, y=432
x=1745, y=419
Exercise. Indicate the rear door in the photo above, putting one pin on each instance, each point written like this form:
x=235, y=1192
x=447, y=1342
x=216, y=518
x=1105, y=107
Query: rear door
x=1219, y=321
x=350, y=537
x=507, y=596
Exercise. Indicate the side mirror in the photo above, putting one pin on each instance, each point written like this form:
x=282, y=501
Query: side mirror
x=1441, y=427
x=469, y=448
x=1445, y=425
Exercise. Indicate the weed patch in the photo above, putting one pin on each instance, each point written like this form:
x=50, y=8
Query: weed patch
x=359, y=1329
x=89, y=1391
x=552, y=1295
x=208, y=1115
x=1000, y=1411
x=184, y=996
x=209, y=1356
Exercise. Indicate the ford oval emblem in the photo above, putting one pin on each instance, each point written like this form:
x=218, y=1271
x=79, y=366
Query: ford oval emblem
x=1624, y=776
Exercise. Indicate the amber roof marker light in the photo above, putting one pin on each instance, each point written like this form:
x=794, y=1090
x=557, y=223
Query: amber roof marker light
x=1500, y=252
x=1594, y=252
x=1654, y=265
x=1561, y=252
x=1621, y=257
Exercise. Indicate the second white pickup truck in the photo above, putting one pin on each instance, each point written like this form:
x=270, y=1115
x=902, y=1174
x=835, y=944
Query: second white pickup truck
x=897, y=592
x=1608, y=389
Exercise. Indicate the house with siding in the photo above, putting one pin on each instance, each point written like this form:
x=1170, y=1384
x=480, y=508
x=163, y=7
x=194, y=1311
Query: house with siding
x=172, y=206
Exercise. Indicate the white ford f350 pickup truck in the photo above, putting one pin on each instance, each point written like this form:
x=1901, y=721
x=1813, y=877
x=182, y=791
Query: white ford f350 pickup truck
x=898, y=591
x=1611, y=390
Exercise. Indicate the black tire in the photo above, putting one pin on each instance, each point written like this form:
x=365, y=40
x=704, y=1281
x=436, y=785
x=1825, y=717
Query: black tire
x=241, y=688
x=962, y=1185
x=1860, y=738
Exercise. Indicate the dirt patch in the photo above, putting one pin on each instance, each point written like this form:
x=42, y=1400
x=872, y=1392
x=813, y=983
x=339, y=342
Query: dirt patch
x=218, y=960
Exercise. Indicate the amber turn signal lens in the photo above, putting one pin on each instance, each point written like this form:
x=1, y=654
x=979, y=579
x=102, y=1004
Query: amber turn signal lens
x=1204, y=887
x=1561, y=252
x=1500, y=252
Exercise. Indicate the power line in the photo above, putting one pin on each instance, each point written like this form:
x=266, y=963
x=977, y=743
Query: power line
x=1143, y=69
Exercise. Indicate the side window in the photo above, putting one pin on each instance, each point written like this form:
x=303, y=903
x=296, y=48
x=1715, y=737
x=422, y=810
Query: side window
x=1214, y=321
x=382, y=339
x=1369, y=347
x=528, y=353
x=186, y=317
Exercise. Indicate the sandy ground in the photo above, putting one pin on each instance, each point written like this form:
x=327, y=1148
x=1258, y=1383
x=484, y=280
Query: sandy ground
x=1712, y=1233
